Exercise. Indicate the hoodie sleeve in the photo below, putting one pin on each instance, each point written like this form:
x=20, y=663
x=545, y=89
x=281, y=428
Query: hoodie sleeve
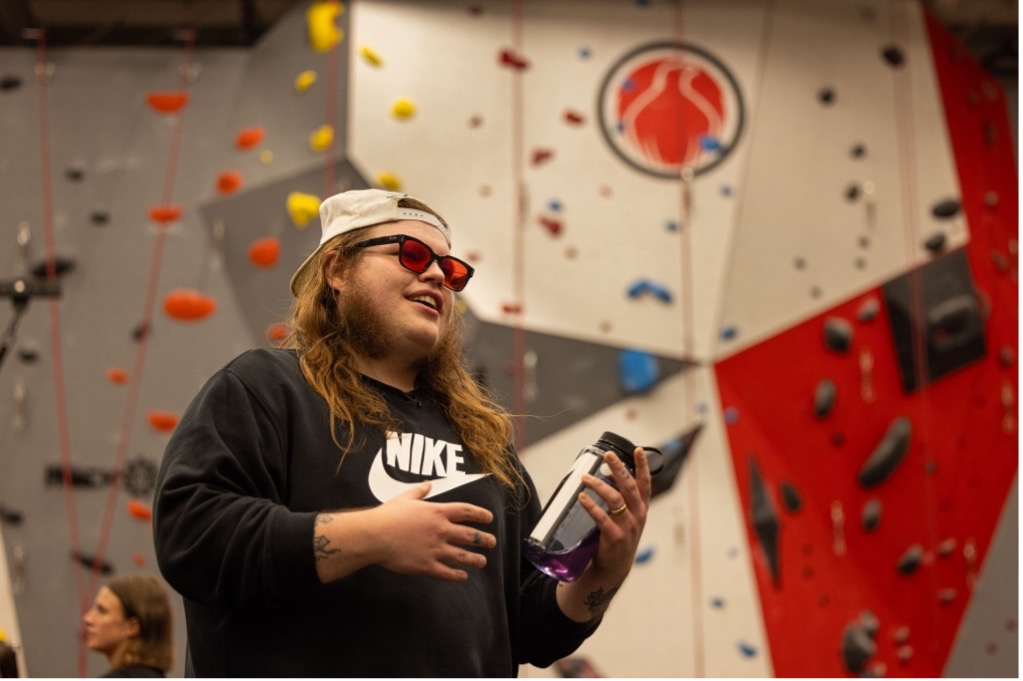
x=222, y=532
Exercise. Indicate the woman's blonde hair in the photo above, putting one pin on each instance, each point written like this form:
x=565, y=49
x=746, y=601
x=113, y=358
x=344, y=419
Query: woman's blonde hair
x=143, y=597
x=319, y=331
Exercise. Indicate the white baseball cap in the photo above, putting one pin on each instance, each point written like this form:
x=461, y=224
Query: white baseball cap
x=362, y=208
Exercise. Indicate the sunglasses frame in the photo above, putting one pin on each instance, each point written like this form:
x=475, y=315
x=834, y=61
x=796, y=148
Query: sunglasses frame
x=400, y=239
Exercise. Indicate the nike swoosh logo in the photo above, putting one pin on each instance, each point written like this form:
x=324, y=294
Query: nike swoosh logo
x=385, y=488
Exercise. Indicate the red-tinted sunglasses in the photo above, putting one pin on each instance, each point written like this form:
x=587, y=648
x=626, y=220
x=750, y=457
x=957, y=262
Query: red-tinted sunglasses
x=416, y=256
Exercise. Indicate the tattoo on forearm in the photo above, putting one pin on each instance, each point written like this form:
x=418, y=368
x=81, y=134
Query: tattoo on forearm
x=321, y=544
x=598, y=600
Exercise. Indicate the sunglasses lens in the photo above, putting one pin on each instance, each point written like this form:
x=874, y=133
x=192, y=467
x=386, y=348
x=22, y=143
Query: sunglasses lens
x=455, y=274
x=415, y=256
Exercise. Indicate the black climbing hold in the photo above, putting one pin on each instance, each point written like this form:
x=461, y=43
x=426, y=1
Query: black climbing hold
x=867, y=312
x=871, y=516
x=790, y=497
x=765, y=520
x=888, y=454
x=870, y=623
x=10, y=83
x=140, y=331
x=28, y=354
x=858, y=151
x=11, y=516
x=936, y=243
x=893, y=56
x=824, y=398
x=75, y=174
x=100, y=218
x=852, y=192
x=946, y=209
x=826, y=96
x=61, y=266
x=93, y=563
x=838, y=334
x=910, y=560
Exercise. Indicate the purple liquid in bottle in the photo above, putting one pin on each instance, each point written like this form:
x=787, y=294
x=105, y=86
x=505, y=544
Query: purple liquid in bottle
x=565, y=538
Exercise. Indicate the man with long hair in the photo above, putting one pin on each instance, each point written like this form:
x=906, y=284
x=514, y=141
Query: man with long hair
x=351, y=504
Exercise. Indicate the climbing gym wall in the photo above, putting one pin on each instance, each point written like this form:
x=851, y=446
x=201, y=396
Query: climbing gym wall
x=775, y=239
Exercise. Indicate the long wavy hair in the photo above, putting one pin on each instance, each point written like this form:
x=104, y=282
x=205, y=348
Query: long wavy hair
x=143, y=597
x=320, y=332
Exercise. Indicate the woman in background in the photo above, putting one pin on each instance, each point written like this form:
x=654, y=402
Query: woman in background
x=130, y=623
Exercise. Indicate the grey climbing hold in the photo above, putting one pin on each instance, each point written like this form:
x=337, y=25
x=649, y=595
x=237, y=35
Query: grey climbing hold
x=868, y=310
x=838, y=334
x=888, y=454
x=824, y=398
x=857, y=647
x=910, y=560
x=871, y=516
x=936, y=243
x=765, y=519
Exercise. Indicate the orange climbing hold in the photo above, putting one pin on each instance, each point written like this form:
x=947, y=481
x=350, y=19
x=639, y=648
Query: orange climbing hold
x=277, y=332
x=229, y=181
x=249, y=137
x=115, y=375
x=162, y=421
x=167, y=102
x=163, y=214
x=264, y=252
x=188, y=305
x=139, y=511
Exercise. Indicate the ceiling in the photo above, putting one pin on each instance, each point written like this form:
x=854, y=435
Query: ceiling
x=988, y=28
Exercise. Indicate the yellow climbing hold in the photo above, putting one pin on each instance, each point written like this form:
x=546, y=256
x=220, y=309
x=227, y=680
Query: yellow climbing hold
x=304, y=81
x=322, y=138
x=266, y=156
x=321, y=20
x=371, y=57
x=403, y=108
x=303, y=208
x=389, y=181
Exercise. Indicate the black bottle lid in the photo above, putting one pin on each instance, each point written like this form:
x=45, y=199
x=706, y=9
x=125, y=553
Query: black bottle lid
x=623, y=448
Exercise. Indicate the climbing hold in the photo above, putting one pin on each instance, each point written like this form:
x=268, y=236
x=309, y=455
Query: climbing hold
x=644, y=286
x=824, y=398
x=910, y=560
x=11, y=516
x=573, y=117
x=888, y=454
x=645, y=555
x=118, y=376
x=249, y=137
x=93, y=563
x=838, y=334
x=871, y=515
x=162, y=421
x=60, y=266
x=303, y=208
x=304, y=81
x=710, y=143
x=99, y=218
x=264, y=252
x=790, y=496
x=188, y=305
x=893, y=56
x=747, y=649
x=858, y=151
x=638, y=371
x=826, y=96
x=229, y=181
x=139, y=511
x=764, y=519
x=370, y=56
x=512, y=60
x=321, y=23
x=674, y=453
x=946, y=209
x=165, y=213
x=321, y=138
x=857, y=647
x=75, y=173
x=936, y=243
x=552, y=225
x=403, y=109
x=868, y=310
x=277, y=332
x=389, y=181
x=8, y=83
x=542, y=156
x=140, y=332
x=167, y=102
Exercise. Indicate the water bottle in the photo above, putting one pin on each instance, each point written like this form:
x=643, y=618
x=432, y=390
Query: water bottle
x=565, y=538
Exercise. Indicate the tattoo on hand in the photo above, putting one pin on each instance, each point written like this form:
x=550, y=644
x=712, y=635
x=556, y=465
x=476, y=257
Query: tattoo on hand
x=598, y=600
x=323, y=518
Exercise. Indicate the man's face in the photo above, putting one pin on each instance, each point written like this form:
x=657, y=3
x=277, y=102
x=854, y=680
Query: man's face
x=390, y=310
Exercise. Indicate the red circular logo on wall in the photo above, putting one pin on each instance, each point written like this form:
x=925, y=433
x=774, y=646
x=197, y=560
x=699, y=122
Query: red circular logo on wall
x=668, y=106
